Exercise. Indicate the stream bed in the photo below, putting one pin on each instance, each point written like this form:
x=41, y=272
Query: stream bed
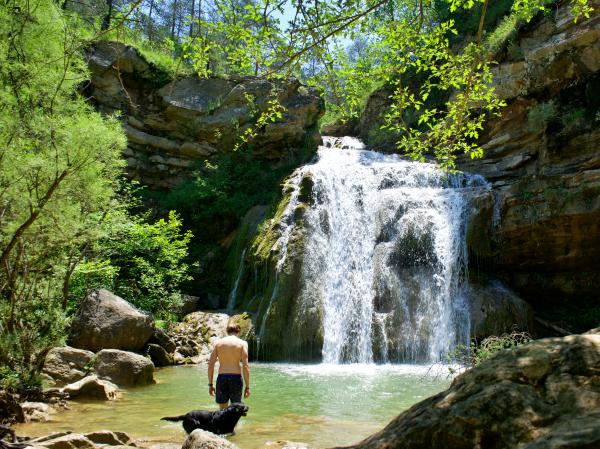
x=321, y=405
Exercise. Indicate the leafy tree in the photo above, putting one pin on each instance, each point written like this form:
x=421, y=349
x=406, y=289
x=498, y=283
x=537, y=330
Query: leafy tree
x=141, y=262
x=59, y=165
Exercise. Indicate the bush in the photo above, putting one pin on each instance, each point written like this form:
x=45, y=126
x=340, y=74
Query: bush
x=475, y=354
x=142, y=262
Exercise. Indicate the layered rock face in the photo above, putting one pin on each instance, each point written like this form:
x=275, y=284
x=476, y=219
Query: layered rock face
x=544, y=394
x=542, y=230
x=539, y=229
x=171, y=124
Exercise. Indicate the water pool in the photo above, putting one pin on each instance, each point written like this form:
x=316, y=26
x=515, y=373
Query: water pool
x=322, y=405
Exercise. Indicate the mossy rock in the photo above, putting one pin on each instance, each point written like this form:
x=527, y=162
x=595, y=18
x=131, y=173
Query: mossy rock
x=245, y=322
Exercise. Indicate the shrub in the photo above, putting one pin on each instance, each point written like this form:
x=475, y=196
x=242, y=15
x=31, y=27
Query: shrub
x=475, y=354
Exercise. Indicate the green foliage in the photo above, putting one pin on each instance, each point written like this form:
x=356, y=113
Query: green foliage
x=540, y=115
x=475, y=354
x=225, y=189
x=142, y=262
x=59, y=167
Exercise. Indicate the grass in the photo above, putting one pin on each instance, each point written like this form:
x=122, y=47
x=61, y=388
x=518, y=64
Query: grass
x=160, y=55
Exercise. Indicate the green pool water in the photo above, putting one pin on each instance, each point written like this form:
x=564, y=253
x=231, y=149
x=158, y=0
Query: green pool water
x=322, y=405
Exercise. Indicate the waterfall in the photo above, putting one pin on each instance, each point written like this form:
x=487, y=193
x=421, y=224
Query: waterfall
x=385, y=254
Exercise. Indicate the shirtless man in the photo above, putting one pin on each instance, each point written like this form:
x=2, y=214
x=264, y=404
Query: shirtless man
x=230, y=351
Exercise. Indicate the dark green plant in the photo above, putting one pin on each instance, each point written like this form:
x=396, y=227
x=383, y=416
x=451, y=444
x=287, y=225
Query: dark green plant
x=540, y=115
x=478, y=352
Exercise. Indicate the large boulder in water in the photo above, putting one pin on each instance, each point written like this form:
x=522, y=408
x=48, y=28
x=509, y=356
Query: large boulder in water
x=125, y=369
x=66, y=365
x=543, y=394
x=201, y=439
x=106, y=321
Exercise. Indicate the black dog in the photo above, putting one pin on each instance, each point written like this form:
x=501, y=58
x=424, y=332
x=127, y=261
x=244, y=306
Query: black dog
x=220, y=422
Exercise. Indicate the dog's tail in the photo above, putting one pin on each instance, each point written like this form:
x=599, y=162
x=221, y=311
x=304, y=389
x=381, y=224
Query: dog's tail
x=173, y=418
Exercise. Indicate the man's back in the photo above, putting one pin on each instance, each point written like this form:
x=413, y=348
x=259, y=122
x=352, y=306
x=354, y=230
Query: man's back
x=229, y=352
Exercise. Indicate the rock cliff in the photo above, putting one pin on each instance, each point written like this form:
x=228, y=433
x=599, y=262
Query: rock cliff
x=543, y=158
x=172, y=124
x=539, y=229
x=543, y=394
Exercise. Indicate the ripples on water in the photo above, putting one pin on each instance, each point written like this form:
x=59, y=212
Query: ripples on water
x=322, y=405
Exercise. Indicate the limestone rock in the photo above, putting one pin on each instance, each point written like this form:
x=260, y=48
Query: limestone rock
x=496, y=310
x=172, y=123
x=161, y=338
x=106, y=321
x=196, y=333
x=126, y=369
x=91, y=387
x=109, y=438
x=284, y=444
x=159, y=356
x=66, y=365
x=544, y=394
x=69, y=441
x=201, y=439
x=37, y=411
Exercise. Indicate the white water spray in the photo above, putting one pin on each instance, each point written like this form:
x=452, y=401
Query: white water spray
x=386, y=254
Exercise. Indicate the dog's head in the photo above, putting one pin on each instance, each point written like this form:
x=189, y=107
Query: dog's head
x=239, y=408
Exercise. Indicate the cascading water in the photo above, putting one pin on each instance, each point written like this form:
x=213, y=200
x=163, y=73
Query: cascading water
x=384, y=256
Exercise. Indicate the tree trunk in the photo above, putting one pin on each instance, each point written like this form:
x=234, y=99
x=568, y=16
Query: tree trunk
x=106, y=21
x=192, y=18
x=150, y=24
x=174, y=19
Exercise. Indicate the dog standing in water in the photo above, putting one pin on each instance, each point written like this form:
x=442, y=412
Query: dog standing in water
x=219, y=422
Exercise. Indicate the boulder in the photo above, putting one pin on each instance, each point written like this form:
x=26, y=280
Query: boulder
x=106, y=321
x=543, y=394
x=496, y=310
x=126, y=369
x=201, y=439
x=159, y=356
x=91, y=387
x=161, y=338
x=189, y=304
x=195, y=335
x=37, y=411
x=67, y=365
x=68, y=441
x=110, y=438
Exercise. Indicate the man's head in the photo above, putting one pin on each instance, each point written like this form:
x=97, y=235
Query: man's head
x=233, y=329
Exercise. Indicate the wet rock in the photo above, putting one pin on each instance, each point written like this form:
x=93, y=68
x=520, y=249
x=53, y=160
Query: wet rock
x=201, y=439
x=91, y=387
x=496, y=310
x=543, y=394
x=69, y=441
x=106, y=321
x=196, y=333
x=37, y=411
x=159, y=356
x=284, y=444
x=110, y=438
x=161, y=338
x=66, y=365
x=126, y=369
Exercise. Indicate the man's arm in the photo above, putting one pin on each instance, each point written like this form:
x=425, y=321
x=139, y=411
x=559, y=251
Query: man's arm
x=246, y=369
x=211, y=370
